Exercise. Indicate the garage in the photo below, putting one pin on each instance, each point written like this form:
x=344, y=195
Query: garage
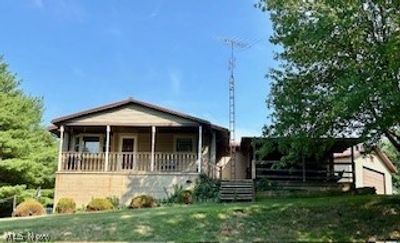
x=372, y=178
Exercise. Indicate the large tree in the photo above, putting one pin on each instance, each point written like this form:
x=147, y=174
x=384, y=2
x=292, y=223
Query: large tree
x=340, y=69
x=27, y=150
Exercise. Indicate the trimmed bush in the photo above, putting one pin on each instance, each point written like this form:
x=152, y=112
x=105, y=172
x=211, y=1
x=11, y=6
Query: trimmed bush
x=66, y=205
x=7, y=192
x=99, y=204
x=186, y=197
x=30, y=207
x=142, y=201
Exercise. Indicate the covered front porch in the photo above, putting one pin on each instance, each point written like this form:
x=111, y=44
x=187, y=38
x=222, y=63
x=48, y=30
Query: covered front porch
x=133, y=149
x=311, y=168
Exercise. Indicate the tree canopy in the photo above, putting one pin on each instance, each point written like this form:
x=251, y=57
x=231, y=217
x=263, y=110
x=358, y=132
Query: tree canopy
x=339, y=73
x=27, y=150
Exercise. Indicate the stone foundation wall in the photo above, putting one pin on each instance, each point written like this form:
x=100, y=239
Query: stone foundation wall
x=82, y=187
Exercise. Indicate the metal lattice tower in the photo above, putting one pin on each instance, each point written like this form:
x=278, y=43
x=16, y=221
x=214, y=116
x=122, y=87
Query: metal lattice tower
x=232, y=43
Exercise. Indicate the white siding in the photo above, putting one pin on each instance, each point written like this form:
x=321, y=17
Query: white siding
x=372, y=162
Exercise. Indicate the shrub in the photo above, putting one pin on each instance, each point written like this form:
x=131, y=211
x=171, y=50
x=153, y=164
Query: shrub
x=186, y=197
x=6, y=196
x=114, y=201
x=179, y=195
x=22, y=193
x=99, y=204
x=364, y=191
x=206, y=189
x=142, y=201
x=46, y=197
x=266, y=185
x=174, y=197
x=30, y=207
x=66, y=205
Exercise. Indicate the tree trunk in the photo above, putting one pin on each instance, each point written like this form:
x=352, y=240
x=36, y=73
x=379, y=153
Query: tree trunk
x=393, y=140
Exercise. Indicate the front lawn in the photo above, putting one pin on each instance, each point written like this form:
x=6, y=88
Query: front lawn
x=317, y=219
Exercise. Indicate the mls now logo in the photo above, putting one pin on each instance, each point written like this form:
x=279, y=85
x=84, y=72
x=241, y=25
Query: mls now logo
x=26, y=237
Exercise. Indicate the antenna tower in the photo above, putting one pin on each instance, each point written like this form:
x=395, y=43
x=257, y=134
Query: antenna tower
x=232, y=43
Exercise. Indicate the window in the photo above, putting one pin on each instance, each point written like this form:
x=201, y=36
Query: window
x=91, y=145
x=184, y=145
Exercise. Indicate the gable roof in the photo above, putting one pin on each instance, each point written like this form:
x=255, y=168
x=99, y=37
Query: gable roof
x=129, y=101
x=361, y=151
x=388, y=163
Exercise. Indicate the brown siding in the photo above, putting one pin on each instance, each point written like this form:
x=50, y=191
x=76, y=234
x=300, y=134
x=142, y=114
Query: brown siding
x=144, y=142
x=164, y=142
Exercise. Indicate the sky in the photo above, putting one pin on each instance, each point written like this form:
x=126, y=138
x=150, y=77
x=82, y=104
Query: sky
x=82, y=54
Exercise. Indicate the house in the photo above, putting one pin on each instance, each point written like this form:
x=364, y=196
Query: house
x=131, y=147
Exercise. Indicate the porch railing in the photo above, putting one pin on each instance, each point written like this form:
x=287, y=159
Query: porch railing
x=126, y=162
x=340, y=172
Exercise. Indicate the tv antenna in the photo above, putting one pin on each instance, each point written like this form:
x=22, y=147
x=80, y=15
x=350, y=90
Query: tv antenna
x=233, y=43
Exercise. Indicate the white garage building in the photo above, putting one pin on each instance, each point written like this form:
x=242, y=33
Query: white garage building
x=374, y=169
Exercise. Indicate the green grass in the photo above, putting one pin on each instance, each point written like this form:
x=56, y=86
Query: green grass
x=342, y=218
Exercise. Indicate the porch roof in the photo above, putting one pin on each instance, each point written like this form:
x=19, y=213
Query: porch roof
x=338, y=145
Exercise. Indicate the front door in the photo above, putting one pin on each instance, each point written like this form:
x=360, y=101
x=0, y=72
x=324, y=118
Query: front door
x=127, y=150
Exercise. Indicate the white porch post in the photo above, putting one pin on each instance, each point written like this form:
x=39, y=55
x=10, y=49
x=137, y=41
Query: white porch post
x=153, y=144
x=108, y=130
x=200, y=143
x=60, y=148
x=253, y=163
x=213, y=156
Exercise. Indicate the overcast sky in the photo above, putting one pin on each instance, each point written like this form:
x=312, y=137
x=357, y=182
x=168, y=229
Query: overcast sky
x=82, y=54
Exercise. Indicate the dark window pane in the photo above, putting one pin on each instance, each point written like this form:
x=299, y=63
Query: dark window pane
x=184, y=145
x=128, y=144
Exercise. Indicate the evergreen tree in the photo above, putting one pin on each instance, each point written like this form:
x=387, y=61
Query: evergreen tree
x=27, y=150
